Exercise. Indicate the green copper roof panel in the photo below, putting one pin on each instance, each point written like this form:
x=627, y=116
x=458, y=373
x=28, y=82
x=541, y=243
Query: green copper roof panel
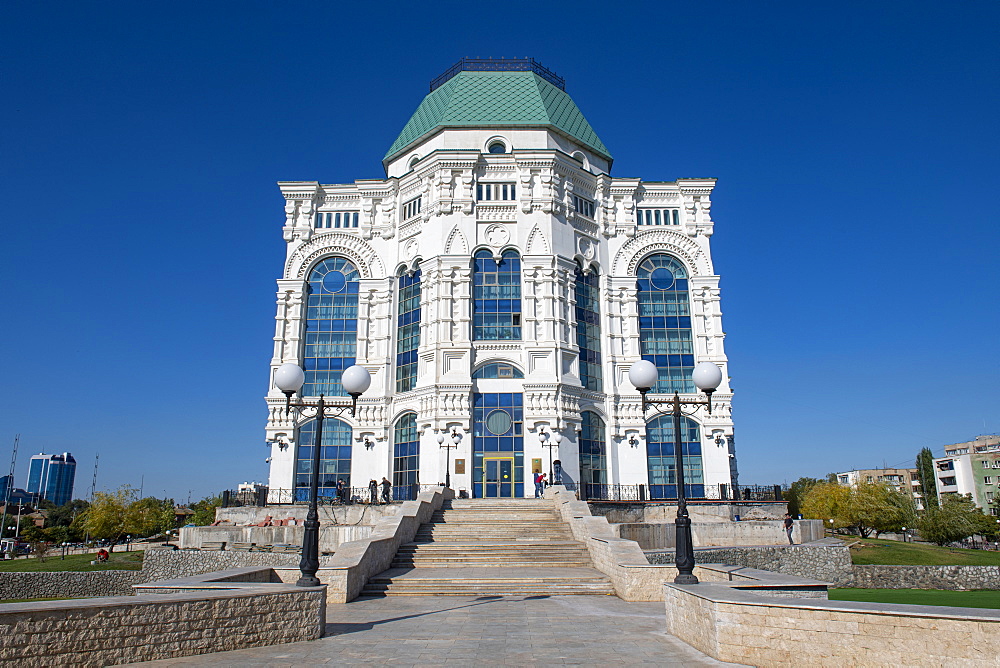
x=496, y=99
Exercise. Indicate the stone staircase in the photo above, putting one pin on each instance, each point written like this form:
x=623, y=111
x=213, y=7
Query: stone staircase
x=493, y=547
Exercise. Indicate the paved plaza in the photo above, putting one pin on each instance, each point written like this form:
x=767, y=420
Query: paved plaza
x=482, y=631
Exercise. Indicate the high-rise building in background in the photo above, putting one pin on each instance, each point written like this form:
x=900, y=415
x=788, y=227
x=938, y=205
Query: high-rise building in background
x=499, y=283
x=51, y=477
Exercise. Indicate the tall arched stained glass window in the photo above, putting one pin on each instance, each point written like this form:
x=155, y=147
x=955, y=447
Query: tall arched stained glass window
x=331, y=326
x=593, y=455
x=661, y=462
x=405, y=457
x=407, y=331
x=665, y=323
x=497, y=308
x=588, y=330
x=334, y=458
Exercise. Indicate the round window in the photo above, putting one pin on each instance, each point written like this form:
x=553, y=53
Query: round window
x=334, y=282
x=498, y=147
x=661, y=278
x=499, y=422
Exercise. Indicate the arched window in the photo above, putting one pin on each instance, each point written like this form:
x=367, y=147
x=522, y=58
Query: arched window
x=498, y=370
x=405, y=458
x=334, y=458
x=588, y=330
x=661, y=462
x=497, y=308
x=331, y=326
x=407, y=331
x=665, y=323
x=593, y=455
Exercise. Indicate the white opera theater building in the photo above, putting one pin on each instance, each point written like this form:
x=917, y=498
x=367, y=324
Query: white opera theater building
x=498, y=284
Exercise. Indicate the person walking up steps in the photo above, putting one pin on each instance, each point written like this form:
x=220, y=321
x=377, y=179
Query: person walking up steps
x=789, y=525
x=386, y=490
x=539, y=485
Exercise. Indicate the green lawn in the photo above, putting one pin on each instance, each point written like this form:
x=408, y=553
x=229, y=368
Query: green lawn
x=119, y=561
x=978, y=598
x=894, y=552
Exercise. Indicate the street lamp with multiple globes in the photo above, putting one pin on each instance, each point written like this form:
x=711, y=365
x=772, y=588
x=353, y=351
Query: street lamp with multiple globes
x=707, y=377
x=456, y=438
x=556, y=438
x=289, y=378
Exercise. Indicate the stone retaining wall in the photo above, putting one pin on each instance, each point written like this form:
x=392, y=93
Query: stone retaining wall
x=656, y=535
x=157, y=564
x=330, y=537
x=732, y=624
x=927, y=577
x=825, y=563
x=127, y=629
x=716, y=511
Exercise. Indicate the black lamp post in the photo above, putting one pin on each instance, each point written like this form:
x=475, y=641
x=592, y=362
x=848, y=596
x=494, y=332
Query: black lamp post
x=550, y=442
x=443, y=441
x=289, y=378
x=707, y=377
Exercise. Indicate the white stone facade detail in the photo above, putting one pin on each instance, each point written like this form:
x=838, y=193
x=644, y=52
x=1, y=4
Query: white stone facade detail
x=552, y=240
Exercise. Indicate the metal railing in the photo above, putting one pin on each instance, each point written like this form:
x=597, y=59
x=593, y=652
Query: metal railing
x=327, y=496
x=693, y=492
x=499, y=65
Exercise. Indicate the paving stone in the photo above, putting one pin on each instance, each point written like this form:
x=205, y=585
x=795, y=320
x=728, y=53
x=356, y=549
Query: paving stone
x=452, y=630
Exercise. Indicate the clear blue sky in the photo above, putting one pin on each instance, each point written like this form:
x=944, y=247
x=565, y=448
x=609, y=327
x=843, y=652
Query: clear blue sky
x=855, y=145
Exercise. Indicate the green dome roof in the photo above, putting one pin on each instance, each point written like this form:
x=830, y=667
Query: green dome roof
x=497, y=99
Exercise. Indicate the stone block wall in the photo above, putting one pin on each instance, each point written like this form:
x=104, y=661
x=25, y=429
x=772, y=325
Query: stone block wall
x=654, y=535
x=927, y=577
x=68, y=584
x=742, y=627
x=158, y=564
x=825, y=563
x=627, y=512
x=330, y=537
x=117, y=630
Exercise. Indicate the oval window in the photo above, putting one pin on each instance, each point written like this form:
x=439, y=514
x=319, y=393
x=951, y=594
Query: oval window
x=499, y=422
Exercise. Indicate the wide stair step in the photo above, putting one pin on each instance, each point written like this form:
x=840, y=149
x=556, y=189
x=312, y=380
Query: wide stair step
x=491, y=547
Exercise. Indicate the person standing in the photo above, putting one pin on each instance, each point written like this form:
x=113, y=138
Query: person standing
x=539, y=485
x=340, y=490
x=386, y=490
x=373, y=490
x=789, y=525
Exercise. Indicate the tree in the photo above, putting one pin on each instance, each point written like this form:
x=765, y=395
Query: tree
x=63, y=516
x=146, y=516
x=878, y=507
x=956, y=518
x=796, y=492
x=57, y=535
x=828, y=501
x=107, y=517
x=204, y=510
x=33, y=533
x=928, y=482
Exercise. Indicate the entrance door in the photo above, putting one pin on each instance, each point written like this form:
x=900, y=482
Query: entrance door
x=498, y=477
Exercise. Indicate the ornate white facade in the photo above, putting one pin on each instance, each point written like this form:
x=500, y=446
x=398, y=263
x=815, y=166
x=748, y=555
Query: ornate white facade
x=556, y=233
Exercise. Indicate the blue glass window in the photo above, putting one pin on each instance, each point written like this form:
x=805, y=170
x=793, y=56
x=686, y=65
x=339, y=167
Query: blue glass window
x=497, y=295
x=498, y=445
x=331, y=326
x=593, y=455
x=407, y=331
x=661, y=463
x=405, y=458
x=588, y=330
x=335, y=458
x=665, y=323
x=498, y=370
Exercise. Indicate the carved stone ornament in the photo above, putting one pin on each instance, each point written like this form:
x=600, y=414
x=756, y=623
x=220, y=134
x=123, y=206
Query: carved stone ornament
x=497, y=235
x=587, y=248
x=410, y=250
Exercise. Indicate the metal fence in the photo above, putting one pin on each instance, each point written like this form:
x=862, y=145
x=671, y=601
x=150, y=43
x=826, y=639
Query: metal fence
x=695, y=492
x=327, y=496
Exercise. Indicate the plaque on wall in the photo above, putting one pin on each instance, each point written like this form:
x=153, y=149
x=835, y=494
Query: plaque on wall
x=459, y=466
x=536, y=465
